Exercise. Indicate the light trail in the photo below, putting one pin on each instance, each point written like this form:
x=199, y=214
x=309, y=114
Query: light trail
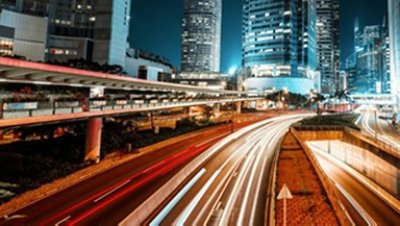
x=176, y=199
x=231, y=193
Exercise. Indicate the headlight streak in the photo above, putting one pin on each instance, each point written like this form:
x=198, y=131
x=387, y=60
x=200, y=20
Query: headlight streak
x=264, y=140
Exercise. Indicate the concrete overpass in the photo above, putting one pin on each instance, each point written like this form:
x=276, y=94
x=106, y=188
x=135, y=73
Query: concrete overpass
x=20, y=114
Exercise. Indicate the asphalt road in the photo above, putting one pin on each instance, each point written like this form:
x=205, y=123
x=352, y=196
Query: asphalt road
x=233, y=185
x=375, y=210
x=107, y=198
x=379, y=128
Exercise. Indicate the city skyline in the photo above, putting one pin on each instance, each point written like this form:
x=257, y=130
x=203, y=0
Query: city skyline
x=166, y=39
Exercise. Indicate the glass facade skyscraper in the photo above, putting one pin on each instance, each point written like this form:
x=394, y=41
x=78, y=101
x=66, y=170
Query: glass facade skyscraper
x=201, y=35
x=328, y=44
x=279, y=39
x=394, y=33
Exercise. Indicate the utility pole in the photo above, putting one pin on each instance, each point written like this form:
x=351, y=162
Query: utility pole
x=232, y=118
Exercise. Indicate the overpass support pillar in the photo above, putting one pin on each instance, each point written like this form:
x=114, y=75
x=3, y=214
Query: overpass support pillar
x=239, y=107
x=93, y=139
x=217, y=108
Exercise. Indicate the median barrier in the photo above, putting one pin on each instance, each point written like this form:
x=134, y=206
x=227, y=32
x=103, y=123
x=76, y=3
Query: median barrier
x=328, y=185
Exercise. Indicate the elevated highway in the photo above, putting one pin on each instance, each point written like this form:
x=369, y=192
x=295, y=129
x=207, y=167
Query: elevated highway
x=94, y=96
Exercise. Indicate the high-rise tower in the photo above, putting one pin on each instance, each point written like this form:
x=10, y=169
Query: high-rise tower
x=328, y=41
x=279, y=44
x=394, y=33
x=201, y=35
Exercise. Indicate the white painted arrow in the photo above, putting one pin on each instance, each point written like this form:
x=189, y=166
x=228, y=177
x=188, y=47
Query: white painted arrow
x=284, y=194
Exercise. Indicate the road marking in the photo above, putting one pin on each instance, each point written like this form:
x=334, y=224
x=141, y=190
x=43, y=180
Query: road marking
x=15, y=216
x=236, y=189
x=113, y=190
x=62, y=221
x=160, y=217
x=346, y=213
x=368, y=219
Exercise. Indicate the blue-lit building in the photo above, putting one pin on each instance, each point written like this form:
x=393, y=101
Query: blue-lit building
x=394, y=33
x=328, y=42
x=368, y=73
x=279, y=45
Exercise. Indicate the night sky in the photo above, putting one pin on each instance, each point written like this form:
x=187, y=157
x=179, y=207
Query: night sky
x=156, y=27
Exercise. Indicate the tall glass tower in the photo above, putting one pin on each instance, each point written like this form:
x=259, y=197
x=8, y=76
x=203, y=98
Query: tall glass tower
x=394, y=33
x=279, y=39
x=328, y=44
x=201, y=35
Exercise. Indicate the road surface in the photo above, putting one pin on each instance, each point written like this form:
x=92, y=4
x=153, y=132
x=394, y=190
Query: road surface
x=232, y=187
x=79, y=199
x=373, y=208
x=379, y=128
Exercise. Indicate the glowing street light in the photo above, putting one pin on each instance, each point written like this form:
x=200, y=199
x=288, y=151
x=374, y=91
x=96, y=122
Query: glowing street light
x=232, y=70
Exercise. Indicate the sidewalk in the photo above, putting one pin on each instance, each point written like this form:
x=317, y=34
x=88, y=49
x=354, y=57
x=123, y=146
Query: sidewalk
x=310, y=205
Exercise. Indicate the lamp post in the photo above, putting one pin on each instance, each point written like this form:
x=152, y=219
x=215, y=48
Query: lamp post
x=232, y=118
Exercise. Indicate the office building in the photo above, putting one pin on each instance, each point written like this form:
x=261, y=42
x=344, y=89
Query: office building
x=279, y=45
x=201, y=35
x=328, y=44
x=60, y=30
x=23, y=30
x=370, y=74
x=358, y=36
x=394, y=33
x=95, y=30
x=385, y=49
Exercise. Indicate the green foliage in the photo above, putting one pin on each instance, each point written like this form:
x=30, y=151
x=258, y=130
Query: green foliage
x=331, y=120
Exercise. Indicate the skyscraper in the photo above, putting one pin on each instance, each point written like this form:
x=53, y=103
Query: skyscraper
x=369, y=62
x=201, y=35
x=394, y=33
x=279, y=44
x=23, y=28
x=385, y=49
x=328, y=41
x=96, y=30
x=358, y=36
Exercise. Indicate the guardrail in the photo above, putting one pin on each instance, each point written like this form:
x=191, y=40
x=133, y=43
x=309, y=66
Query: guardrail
x=48, y=108
x=328, y=185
